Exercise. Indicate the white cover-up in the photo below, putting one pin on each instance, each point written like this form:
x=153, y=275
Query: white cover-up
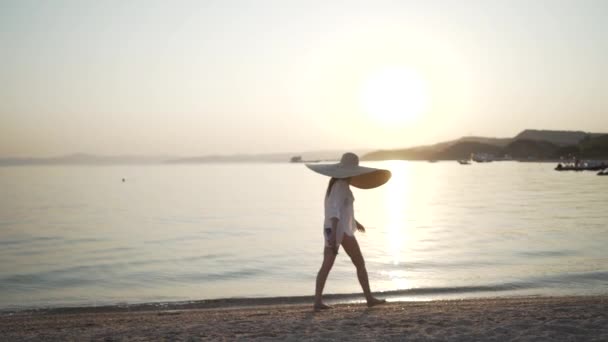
x=339, y=204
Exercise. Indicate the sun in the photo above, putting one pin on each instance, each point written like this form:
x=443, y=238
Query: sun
x=394, y=96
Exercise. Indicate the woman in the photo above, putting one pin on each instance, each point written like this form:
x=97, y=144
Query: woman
x=340, y=224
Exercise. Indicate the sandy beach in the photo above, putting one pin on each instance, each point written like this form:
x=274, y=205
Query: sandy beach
x=499, y=319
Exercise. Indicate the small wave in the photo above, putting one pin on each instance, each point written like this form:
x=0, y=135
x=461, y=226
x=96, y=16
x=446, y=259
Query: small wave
x=460, y=289
x=429, y=264
x=84, y=240
x=548, y=254
x=242, y=273
x=18, y=242
x=578, y=277
x=83, y=275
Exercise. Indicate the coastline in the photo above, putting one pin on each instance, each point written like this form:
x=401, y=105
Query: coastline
x=415, y=294
x=521, y=318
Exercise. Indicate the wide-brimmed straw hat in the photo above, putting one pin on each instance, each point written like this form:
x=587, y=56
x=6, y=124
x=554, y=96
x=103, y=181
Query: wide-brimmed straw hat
x=360, y=176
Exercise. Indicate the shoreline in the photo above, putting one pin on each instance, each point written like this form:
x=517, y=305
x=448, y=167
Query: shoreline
x=415, y=294
x=499, y=318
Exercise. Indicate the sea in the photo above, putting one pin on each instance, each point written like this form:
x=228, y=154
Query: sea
x=127, y=234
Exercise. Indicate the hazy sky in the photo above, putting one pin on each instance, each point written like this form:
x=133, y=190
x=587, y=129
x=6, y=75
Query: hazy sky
x=201, y=77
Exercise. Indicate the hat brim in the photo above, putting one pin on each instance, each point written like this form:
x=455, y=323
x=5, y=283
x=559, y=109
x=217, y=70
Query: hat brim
x=360, y=176
x=371, y=180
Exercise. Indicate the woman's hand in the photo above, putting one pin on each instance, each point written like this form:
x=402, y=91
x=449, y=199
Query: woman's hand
x=360, y=227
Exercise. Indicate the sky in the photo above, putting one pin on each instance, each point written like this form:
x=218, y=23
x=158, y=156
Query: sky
x=223, y=77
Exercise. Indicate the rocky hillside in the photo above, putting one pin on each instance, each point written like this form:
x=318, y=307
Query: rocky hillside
x=560, y=138
x=441, y=150
x=527, y=145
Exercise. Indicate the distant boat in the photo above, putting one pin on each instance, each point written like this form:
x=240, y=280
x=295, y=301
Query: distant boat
x=482, y=157
x=464, y=162
x=583, y=166
x=432, y=161
x=298, y=159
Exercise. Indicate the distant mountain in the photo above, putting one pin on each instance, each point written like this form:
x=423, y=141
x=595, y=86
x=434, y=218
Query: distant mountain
x=527, y=145
x=463, y=150
x=501, y=142
x=437, y=151
x=560, y=138
x=235, y=158
x=594, y=147
x=415, y=153
x=84, y=159
x=264, y=158
x=525, y=149
x=91, y=159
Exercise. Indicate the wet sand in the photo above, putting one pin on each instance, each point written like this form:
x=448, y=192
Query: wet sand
x=498, y=319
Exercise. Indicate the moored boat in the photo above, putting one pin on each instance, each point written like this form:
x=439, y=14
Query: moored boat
x=482, y=157
x=584, y=166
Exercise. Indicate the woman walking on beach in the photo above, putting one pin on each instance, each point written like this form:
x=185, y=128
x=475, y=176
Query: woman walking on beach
x=340, y=225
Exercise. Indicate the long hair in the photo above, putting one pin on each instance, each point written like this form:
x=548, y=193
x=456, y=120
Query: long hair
x=331, y=183
x=332, y=180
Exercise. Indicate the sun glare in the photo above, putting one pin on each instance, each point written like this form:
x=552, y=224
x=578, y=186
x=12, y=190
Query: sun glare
x=394, y=96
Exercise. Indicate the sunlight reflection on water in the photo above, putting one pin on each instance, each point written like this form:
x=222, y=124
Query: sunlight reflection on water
x=396, y=202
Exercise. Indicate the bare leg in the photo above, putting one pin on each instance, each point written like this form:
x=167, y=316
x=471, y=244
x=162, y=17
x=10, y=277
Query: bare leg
x=328, y=261
x=351, y=246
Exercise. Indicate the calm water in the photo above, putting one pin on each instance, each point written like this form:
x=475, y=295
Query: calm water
x=78, y=235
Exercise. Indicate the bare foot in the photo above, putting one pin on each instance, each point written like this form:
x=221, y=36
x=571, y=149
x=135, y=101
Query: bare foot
x=375, y=301
x=321, y=306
